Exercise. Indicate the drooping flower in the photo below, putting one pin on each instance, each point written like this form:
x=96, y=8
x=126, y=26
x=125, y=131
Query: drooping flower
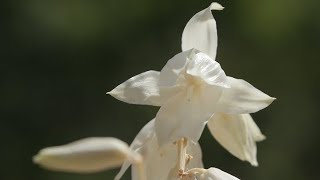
x=89, y=155
x=237, y=133
x=160, y=163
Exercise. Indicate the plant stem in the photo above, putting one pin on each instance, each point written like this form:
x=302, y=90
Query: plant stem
x=182, y=154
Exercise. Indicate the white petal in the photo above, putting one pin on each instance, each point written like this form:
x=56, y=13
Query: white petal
x=173, y=69
x=161, y=163
x=238, y=134
x=201, y=32
x=181, y=116
x=208, y=70
x=140, y=89
x=253, y=128
x=144, y=136
x=194, y=149
x=242, y=98
x=216, y=174
x=158, y=162
x=84, y=156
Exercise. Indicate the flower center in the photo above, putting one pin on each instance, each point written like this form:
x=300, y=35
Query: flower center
x=194, y=85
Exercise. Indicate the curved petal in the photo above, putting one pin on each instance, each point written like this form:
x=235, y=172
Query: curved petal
x=201, y=32
x=140, y=89
x=144, y=136
x=237, y=134
x=216, y=174
x=242, y=98
x=208, y=70
x=172, y=70
x=181, y=116
x=84, y=156
x=254, y=129
x=159, y=162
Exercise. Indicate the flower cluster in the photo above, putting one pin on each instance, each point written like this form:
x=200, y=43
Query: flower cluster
x=192, y=91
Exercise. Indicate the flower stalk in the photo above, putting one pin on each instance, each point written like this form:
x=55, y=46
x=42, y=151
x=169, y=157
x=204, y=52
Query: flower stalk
x=182, y=155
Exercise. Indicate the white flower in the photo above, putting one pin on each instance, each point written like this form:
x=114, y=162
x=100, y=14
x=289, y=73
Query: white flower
x=215, y=174
x=237, y=133
x=190, y=88
x=86, y=156
x=160, y=163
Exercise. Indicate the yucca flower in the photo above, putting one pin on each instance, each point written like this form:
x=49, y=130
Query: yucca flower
x=237, y=133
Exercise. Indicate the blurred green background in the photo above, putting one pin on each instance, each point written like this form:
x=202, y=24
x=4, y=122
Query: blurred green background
x=59, y=58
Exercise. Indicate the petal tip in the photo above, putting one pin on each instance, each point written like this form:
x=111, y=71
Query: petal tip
x=116, y=178
x=254, y=163
x=115, y=94
x=271, y=99
x=262, y=138
x=216, y=6
x=36, y=159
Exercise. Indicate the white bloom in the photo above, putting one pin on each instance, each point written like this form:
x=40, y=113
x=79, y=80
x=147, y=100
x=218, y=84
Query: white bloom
x=159, y=162
x=85, y=156
x=216, y=174
x=237, y=133
x=190, y=88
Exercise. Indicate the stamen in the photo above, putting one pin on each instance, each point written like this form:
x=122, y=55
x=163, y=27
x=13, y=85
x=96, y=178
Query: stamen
x=188, y=158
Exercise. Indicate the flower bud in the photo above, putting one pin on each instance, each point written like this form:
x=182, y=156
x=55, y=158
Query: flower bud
x=84, y=156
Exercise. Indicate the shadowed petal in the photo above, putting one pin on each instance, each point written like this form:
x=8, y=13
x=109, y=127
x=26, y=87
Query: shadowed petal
x=159, y=162
x=194, y=149
x=179, y=117
x=238, y=134
x=143, y=137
